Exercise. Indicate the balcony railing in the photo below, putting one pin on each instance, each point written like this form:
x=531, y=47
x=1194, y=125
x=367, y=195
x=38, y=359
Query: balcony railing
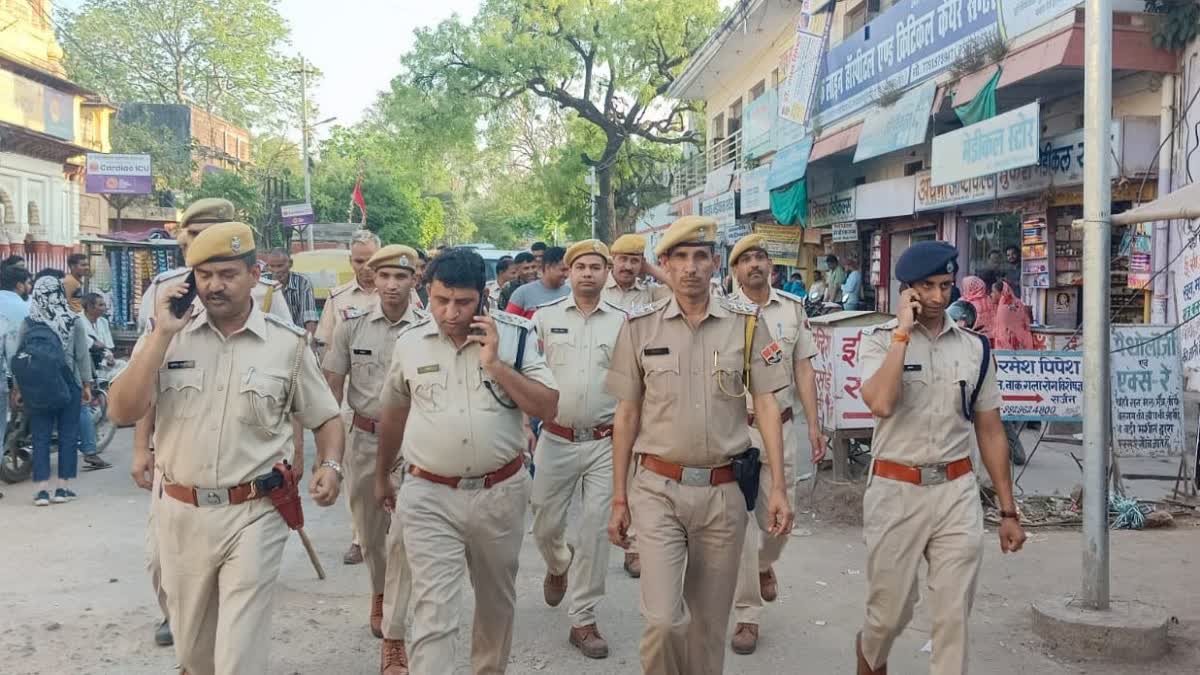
x=692, y=172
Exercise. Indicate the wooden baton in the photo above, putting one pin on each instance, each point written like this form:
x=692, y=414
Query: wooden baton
x=312, y=553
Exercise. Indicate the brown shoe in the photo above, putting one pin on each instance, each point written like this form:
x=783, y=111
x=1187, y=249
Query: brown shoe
x=554, y=587
x=768, y=586
x=393, y=659
x=377, y=615
x=353, y=555
x=633, y=565
x=745, y=638
x=589, y=641
x=865, y=668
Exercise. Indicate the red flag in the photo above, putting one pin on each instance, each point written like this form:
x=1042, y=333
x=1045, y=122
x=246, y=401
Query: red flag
x=357, y=199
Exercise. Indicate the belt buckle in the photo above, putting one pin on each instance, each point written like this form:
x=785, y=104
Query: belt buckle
x=696, y=477
x=580, y=435
x=472, y=483
x=933, y=475
x=212, y=497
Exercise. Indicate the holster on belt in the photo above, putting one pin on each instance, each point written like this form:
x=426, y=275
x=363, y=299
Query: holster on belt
x=281, y=486
x=746, y=469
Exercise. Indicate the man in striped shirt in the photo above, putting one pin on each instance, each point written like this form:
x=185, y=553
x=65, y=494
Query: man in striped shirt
x=296, y=288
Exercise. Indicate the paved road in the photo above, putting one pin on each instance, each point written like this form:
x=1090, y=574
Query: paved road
x=74, y=598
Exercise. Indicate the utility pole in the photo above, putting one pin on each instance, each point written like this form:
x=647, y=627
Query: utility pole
x=304, y=144
x=1097, y=240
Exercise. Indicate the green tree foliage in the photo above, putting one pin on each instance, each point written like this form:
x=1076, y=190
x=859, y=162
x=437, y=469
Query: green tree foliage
x=607, y=62
x=224, y=55
x=240, y=188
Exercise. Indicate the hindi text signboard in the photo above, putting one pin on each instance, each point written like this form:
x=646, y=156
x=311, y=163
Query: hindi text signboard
x=1147, y=391
x=753, y=186
x=720, y=208
x=838, y=366
x=900, y=125
x=783, y=243
x=1044, y=386
x=1003, y=142
x=844, y=232
x=831, y=207
x=929, y=196
x=297, y=215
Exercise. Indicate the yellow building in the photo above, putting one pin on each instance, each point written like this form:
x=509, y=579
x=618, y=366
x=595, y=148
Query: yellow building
x=47, y=124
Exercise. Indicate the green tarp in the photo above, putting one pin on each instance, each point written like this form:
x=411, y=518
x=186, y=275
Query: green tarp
x=789, y=204
x=983, y=106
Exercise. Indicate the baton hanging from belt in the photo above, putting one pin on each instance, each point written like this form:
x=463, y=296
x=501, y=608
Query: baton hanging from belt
x=283, y=490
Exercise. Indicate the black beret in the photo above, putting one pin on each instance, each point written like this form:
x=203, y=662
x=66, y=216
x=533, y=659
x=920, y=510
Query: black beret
x=926, y=259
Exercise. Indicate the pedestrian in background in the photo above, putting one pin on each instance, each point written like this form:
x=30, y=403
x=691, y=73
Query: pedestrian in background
x=975, y=291
x=78, y=265
x=301, y=301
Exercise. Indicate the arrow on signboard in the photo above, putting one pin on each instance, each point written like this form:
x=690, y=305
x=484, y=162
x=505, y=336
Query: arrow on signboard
x=1028, y=398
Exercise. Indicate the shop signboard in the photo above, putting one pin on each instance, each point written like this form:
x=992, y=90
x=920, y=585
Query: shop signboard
x=798, y=92
x=790, y=163
x=783, y=243
x=738, y=229
x=832, y=207
x=1021, y=16
x=721, y=208
x=1187, y=298
x=1044, y=386
x=33, y=105
x=884, y=198
x=118, y=174
x=1147, y=391
x=758, y=124
x=844, y=232
x=1060, y=163
x=1002, y=142
x=297, y=215
x=898, y=126
x=907, y=44
x=930, y=197
x=755, y=195
x=718, y=180
x=838, y=366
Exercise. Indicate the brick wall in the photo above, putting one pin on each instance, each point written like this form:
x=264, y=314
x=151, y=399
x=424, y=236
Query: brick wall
x=222, y=145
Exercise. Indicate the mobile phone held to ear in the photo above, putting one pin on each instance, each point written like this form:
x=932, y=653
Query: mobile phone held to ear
x=481, y=310
x=181, y=305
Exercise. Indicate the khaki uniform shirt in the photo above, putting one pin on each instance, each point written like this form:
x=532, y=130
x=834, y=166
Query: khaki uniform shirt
x=279, y=306
x=784, y=317
x=456, y=427
x=637, y=295
x=346, y=300
x=220, y=418
x=362, y=348
x=928, y=425
x=578, y=349
x=689, y=382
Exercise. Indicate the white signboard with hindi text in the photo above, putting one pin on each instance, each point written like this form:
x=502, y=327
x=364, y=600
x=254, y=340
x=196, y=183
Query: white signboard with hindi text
x=755, y=195
x=1147, y=391
x=844, y=232
x=1044, y=386
x=898, y=126
x=1007, y=141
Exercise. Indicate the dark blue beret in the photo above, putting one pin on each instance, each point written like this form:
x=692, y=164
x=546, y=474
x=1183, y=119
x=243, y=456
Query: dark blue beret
x=926, y=259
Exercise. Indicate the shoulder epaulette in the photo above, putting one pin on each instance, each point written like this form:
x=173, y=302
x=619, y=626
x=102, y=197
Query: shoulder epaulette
x=352, y=313
x=421, y=315
x=422, y=320
x=341, y=289
x=790, y=296
x=552, y=302
x=612, y=305
x=512, y=320
x=738, y=306
x=295, y=330
x=638, y=311
x=887, y=325
x=171, y=274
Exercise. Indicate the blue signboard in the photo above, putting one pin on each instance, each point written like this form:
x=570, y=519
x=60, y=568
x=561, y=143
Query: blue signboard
x=758, y=124
x=909, y=43
x=789, y=164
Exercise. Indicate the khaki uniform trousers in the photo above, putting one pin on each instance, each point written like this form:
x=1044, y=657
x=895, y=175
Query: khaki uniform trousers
x=347, y=489
x=561, y=467
x=153, y=564
x=445, y=530
x=397, y=584
x=370, y=520
x=219, y=567
x=691, y=542
x=903, y=523
x=761, y=549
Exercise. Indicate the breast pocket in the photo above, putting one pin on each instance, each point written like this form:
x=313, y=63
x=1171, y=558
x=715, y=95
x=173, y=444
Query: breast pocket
x=662, y=374
x=559, y=348
x=179, y=392
x=263, y=396
x=365, y=370
x=915, y=380
x=728, y=375
x=429, y=391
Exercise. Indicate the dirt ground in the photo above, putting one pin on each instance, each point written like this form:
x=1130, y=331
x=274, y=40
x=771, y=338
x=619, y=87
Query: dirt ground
x=74, y=597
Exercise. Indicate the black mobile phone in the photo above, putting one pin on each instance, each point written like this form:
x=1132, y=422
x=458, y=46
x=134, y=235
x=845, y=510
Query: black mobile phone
x=481, y=310
x=181, y=305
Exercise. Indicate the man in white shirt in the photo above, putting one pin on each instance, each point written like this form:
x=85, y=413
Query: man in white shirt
x=95, y=307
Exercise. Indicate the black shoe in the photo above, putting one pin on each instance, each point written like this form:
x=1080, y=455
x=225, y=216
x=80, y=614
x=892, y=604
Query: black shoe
x=162, y=636
x=95, y=462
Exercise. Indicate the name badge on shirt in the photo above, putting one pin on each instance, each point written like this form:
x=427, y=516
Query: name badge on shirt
x=179, y=365
x=428, y=369
x=656, y=351
x=912, y=367
x=362, y=352
x=559, y=331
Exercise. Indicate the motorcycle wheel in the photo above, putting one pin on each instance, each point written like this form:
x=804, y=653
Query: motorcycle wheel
x=105, y=429
x=17, y=463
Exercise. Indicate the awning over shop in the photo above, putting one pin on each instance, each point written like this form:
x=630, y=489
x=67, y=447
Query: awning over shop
x=836, y=142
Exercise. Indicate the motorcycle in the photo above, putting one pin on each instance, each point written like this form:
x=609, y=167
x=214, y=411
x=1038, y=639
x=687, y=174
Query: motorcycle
x=16, y=465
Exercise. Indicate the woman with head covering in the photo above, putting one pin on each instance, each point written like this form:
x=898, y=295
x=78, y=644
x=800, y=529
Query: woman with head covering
x=1010, y=330
x=975, y=291
x=48, y=307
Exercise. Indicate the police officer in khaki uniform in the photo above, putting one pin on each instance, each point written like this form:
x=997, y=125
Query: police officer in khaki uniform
x=200, y=215
x=574, y=452
x=362, y=350
x=679, y=375
x=784, y=314
x=352, y=298
x=930, y=385
x=453, y=400
x=224, y=380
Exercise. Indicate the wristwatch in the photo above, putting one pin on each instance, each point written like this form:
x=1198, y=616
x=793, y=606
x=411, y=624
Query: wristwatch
x=337, y=468
x=1010, y=514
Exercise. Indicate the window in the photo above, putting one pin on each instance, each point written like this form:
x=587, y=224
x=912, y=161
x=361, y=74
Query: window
x=855, y=20
x=758, y=89
x=718, y=127
x=735, y=117
x=913, y=168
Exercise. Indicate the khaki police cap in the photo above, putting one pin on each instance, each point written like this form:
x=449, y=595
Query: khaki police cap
x=395, y=255
x=747, y=243
x=687, y=230
x=586, y=247
x=207, y=211
x=221, y=243
x=629, y=244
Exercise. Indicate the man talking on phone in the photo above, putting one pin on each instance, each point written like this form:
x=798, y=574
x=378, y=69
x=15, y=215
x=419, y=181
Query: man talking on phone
x=930, y=384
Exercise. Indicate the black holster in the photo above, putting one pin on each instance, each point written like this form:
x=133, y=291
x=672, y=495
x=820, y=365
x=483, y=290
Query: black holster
x=746, y=469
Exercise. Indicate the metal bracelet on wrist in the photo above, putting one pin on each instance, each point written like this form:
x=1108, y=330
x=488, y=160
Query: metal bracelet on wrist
x=337, y=468
x=1010, y=514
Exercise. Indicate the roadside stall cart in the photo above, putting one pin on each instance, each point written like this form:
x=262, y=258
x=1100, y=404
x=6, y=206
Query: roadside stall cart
x=121, y=271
